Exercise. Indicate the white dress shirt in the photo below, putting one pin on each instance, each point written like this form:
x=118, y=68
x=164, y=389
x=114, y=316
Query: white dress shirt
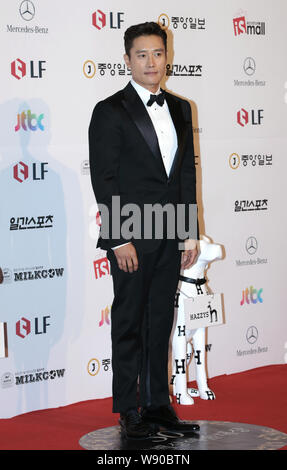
x=163, y=126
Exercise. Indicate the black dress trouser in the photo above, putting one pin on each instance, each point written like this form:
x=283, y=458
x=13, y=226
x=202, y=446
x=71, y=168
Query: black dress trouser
x=141, y=321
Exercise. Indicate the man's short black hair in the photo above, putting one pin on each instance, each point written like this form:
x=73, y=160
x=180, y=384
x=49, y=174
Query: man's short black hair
x=143, y=29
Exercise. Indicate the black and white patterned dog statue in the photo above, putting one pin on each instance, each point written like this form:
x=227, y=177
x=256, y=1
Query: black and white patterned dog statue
x=192, y=283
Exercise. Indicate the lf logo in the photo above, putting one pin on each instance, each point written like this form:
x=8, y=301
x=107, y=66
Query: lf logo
x=23, y=326
x=19, y=69
x=99, y=19
x=251, y=296
x=28, y=121
x=101, y=267
x=21, y=171
x=243, y=117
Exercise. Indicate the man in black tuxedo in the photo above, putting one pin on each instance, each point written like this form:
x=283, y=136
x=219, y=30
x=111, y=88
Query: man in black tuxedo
x=141, y=152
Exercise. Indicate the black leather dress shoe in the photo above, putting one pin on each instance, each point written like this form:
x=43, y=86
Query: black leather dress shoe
x=165, y=416
x=133, y=427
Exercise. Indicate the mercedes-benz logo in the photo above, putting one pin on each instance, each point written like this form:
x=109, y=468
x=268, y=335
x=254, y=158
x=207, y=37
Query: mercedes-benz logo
x=27, y=10
x=249, y=66
x=252, y=335
x=251, y=245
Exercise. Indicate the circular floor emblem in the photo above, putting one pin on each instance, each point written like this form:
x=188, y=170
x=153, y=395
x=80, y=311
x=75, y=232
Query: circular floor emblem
x=213, y=435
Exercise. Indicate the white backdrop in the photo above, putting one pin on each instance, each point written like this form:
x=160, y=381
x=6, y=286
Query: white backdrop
x=58, y=59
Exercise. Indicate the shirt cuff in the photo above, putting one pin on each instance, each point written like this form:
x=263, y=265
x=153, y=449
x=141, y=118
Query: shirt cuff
x=190, y=244
x=115, y=247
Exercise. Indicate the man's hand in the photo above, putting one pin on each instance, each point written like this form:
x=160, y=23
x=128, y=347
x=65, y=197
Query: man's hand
x=189, y=254
x=127, y=258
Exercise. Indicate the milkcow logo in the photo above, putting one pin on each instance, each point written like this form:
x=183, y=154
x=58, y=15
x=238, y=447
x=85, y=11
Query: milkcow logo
x=38, y=273
x=39, y=375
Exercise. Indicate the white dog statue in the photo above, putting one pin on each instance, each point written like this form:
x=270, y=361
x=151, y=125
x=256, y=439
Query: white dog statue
x=192, y=283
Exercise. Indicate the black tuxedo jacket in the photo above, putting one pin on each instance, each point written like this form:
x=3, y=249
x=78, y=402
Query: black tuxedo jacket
x=125, y=161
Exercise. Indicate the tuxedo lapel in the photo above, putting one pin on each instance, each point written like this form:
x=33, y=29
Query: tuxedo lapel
x=180, y=127
x=136, y=109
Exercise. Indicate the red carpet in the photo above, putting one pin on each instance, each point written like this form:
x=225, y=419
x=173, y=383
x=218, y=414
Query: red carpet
x=257, y=397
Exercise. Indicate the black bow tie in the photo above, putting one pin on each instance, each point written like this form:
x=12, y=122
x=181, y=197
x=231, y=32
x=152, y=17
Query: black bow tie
x=159, y=99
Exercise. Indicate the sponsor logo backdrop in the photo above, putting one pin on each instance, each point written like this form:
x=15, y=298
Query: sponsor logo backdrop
x=58, y=60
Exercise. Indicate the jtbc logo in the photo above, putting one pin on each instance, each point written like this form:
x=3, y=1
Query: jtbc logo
x=19, y=69
x=23, y=326
x=243, y=117
x=21, y=171
x=28, y=121
x=101, y=267
x=105, y=316
x=251, y=296
x=99, y=19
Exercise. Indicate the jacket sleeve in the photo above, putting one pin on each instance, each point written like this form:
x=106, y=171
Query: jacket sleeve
x=188, y=178
x=105, y=144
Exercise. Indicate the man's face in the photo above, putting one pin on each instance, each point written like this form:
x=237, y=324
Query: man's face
x=147, y=61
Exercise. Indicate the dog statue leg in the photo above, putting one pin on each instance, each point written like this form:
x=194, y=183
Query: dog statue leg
x=199, y=354
x=193, y=392
x=179, y=362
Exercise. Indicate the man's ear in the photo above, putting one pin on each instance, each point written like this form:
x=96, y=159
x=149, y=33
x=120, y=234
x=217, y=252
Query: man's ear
x=127, y=60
